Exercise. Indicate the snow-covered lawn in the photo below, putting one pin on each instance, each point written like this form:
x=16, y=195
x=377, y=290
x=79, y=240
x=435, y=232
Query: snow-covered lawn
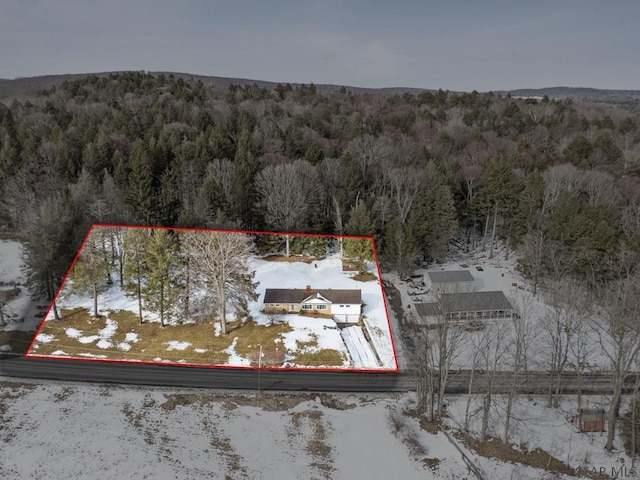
x=89, y=431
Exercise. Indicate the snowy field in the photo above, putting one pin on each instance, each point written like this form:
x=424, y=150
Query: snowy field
x=51, y=431
x=308, y=335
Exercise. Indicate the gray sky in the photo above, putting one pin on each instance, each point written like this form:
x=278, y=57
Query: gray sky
x=455, y=45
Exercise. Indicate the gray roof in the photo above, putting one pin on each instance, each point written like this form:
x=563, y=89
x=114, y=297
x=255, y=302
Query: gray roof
x=297, y=295
x=450, y=276
x=466, y=302
x=427, y=309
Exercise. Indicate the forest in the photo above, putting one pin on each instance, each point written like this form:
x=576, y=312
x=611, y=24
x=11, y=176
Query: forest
x=554, y=182
x=557, y=180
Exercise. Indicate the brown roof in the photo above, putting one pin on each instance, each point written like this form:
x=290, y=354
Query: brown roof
x=297, y=295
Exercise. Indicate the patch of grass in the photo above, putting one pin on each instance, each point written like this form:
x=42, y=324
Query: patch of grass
x=152, y=339
x=537, y=458
x=251, y=336
x=312, y=343
x=319, y=358
x=364, y=277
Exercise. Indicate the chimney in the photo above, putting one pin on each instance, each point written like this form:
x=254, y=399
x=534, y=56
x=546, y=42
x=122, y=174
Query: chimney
x=308, y=289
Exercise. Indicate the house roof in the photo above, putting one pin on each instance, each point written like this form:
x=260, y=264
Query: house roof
x=450, y=276
x=427, y=309
x=466, y=302
x=297, y=295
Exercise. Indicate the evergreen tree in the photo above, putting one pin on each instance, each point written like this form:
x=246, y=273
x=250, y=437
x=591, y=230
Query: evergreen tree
x=400, y=247
x=136, y=241
x=358, y=251
x=139, y=197
x=433, y=216
x=91, y=272
x=161, y=286
x=360, y=221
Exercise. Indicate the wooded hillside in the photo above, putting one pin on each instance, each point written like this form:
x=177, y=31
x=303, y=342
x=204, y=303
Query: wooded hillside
x=560, y=180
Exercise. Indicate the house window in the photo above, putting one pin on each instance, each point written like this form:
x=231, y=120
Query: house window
x=341, y=306
x=321, y=307
x=273, y=304
x=307, y=306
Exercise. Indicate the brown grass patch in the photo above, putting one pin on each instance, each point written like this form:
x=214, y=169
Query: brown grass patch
x=537, y=458
x=364, y=277
x=152, y=339
x=289, y=259
x=328, y=357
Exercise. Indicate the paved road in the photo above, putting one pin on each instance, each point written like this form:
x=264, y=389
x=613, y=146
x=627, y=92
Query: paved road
x=142, y=374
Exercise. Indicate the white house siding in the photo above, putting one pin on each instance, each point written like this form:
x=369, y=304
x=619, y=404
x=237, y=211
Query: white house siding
x=347, y=313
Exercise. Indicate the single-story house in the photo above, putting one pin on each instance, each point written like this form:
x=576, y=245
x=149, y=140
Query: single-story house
x=342, y=305
x=467, y=306
x=450, y=281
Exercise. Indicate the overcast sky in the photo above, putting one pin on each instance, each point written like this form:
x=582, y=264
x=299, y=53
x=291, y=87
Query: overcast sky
x=454, y=45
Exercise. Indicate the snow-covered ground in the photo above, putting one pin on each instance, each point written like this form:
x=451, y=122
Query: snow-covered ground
x=22, y=312
x=322, y=274
x=314, y=334
x=91, y=431
x=534, y=425
x=500, y=274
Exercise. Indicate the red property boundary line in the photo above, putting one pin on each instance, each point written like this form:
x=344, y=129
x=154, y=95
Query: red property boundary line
x=230, y=367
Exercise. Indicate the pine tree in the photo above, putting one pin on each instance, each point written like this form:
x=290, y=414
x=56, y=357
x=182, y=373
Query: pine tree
x=433, y=216
x=400, y=247
x=139, y=196
x=91, y=273
x=136, y=241
x=358, y=251
x=161, y=286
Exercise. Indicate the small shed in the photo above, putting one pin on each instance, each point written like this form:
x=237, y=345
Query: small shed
x=590, y=420
x=450, y=281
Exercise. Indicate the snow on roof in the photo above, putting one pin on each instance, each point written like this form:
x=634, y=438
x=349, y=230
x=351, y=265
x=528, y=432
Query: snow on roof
x=298, y=295
x=466, y=302
x=450, y=276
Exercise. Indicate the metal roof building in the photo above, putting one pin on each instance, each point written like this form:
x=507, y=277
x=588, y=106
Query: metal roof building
x=450, y=281
x=467, y=306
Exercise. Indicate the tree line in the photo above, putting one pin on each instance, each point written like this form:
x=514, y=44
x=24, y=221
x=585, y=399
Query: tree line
x=179, y=275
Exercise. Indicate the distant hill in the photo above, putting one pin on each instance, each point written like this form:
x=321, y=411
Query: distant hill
x=580, y=93
x=28, y=86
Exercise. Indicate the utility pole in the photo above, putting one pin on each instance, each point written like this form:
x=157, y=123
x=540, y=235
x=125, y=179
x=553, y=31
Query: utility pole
x=259, y=368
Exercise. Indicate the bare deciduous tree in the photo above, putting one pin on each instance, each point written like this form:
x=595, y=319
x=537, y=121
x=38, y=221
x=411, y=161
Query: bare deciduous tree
x=406, y=183
x=619, y=337
x=289, y=194
x=219, y=264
